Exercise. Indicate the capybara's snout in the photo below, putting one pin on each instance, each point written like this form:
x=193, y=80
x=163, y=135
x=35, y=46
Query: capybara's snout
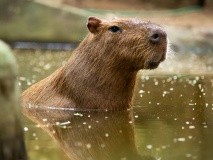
x=157, y=35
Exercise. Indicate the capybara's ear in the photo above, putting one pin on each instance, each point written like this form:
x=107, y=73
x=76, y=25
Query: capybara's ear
x=93, y=24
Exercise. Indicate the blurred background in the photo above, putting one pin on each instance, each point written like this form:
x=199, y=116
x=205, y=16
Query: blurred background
x=175, y=101
x=61, y=24
x=64, y=20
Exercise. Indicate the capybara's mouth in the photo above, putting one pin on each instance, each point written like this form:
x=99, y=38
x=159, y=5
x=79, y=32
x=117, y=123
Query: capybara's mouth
x=153, y=65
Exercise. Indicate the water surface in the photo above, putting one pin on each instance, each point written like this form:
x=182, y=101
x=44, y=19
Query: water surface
x=172, y=117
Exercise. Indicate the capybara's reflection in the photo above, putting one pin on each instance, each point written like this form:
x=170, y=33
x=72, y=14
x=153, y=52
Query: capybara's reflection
x=90, y=135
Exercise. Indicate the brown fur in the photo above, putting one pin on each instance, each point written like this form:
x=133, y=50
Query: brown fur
x=101, y=73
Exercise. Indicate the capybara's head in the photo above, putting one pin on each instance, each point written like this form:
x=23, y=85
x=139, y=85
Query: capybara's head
x=140, y=44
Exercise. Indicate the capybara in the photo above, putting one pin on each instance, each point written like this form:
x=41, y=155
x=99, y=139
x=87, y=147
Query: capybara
x=102, y=71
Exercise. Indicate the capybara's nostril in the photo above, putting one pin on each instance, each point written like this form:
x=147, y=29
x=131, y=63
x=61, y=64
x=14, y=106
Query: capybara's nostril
x=157, y=35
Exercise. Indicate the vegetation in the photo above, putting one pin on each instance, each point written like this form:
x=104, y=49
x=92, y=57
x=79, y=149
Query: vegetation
x=36, y=22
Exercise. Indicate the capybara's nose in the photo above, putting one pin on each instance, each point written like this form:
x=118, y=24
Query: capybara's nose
x=157, y=35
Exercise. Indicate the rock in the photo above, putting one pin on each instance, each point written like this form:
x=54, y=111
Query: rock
x=12, y=146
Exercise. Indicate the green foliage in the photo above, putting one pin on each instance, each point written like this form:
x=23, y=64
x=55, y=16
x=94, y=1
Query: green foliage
x=40, y=23
x=8, y=64
x=9, y=8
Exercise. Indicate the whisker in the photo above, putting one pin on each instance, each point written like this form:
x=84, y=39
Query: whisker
x=170, y=52
x=139, y=45
x=164, y=21
x=145, y=49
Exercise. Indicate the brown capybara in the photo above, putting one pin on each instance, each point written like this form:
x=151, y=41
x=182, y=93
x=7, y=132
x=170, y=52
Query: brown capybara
x=102, y=71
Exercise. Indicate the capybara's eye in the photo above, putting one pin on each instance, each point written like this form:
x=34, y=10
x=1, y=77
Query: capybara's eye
x=115, y=29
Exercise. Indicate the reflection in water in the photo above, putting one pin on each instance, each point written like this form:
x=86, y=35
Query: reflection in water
x=90, y=135
x=173, y=111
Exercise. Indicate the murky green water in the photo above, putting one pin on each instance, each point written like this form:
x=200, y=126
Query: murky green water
x=172, y=116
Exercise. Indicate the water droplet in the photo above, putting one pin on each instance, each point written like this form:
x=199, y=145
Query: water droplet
x=181, y=139
x=78, y=114
x=88, y=145
x=191, y=127
x=44, y=120
x=149, y=146
x=188, y=155
x=37, y=147
x=136, y=116
x=103, y=145
x=106, y=134
x=175, y=77
x=141, y=91
x=187, y=122
x=65, y=123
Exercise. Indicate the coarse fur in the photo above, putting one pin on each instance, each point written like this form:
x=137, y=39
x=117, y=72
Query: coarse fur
x=102, y=71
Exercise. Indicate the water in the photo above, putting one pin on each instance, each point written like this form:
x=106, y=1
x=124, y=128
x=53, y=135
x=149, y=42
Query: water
x=172, y=117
